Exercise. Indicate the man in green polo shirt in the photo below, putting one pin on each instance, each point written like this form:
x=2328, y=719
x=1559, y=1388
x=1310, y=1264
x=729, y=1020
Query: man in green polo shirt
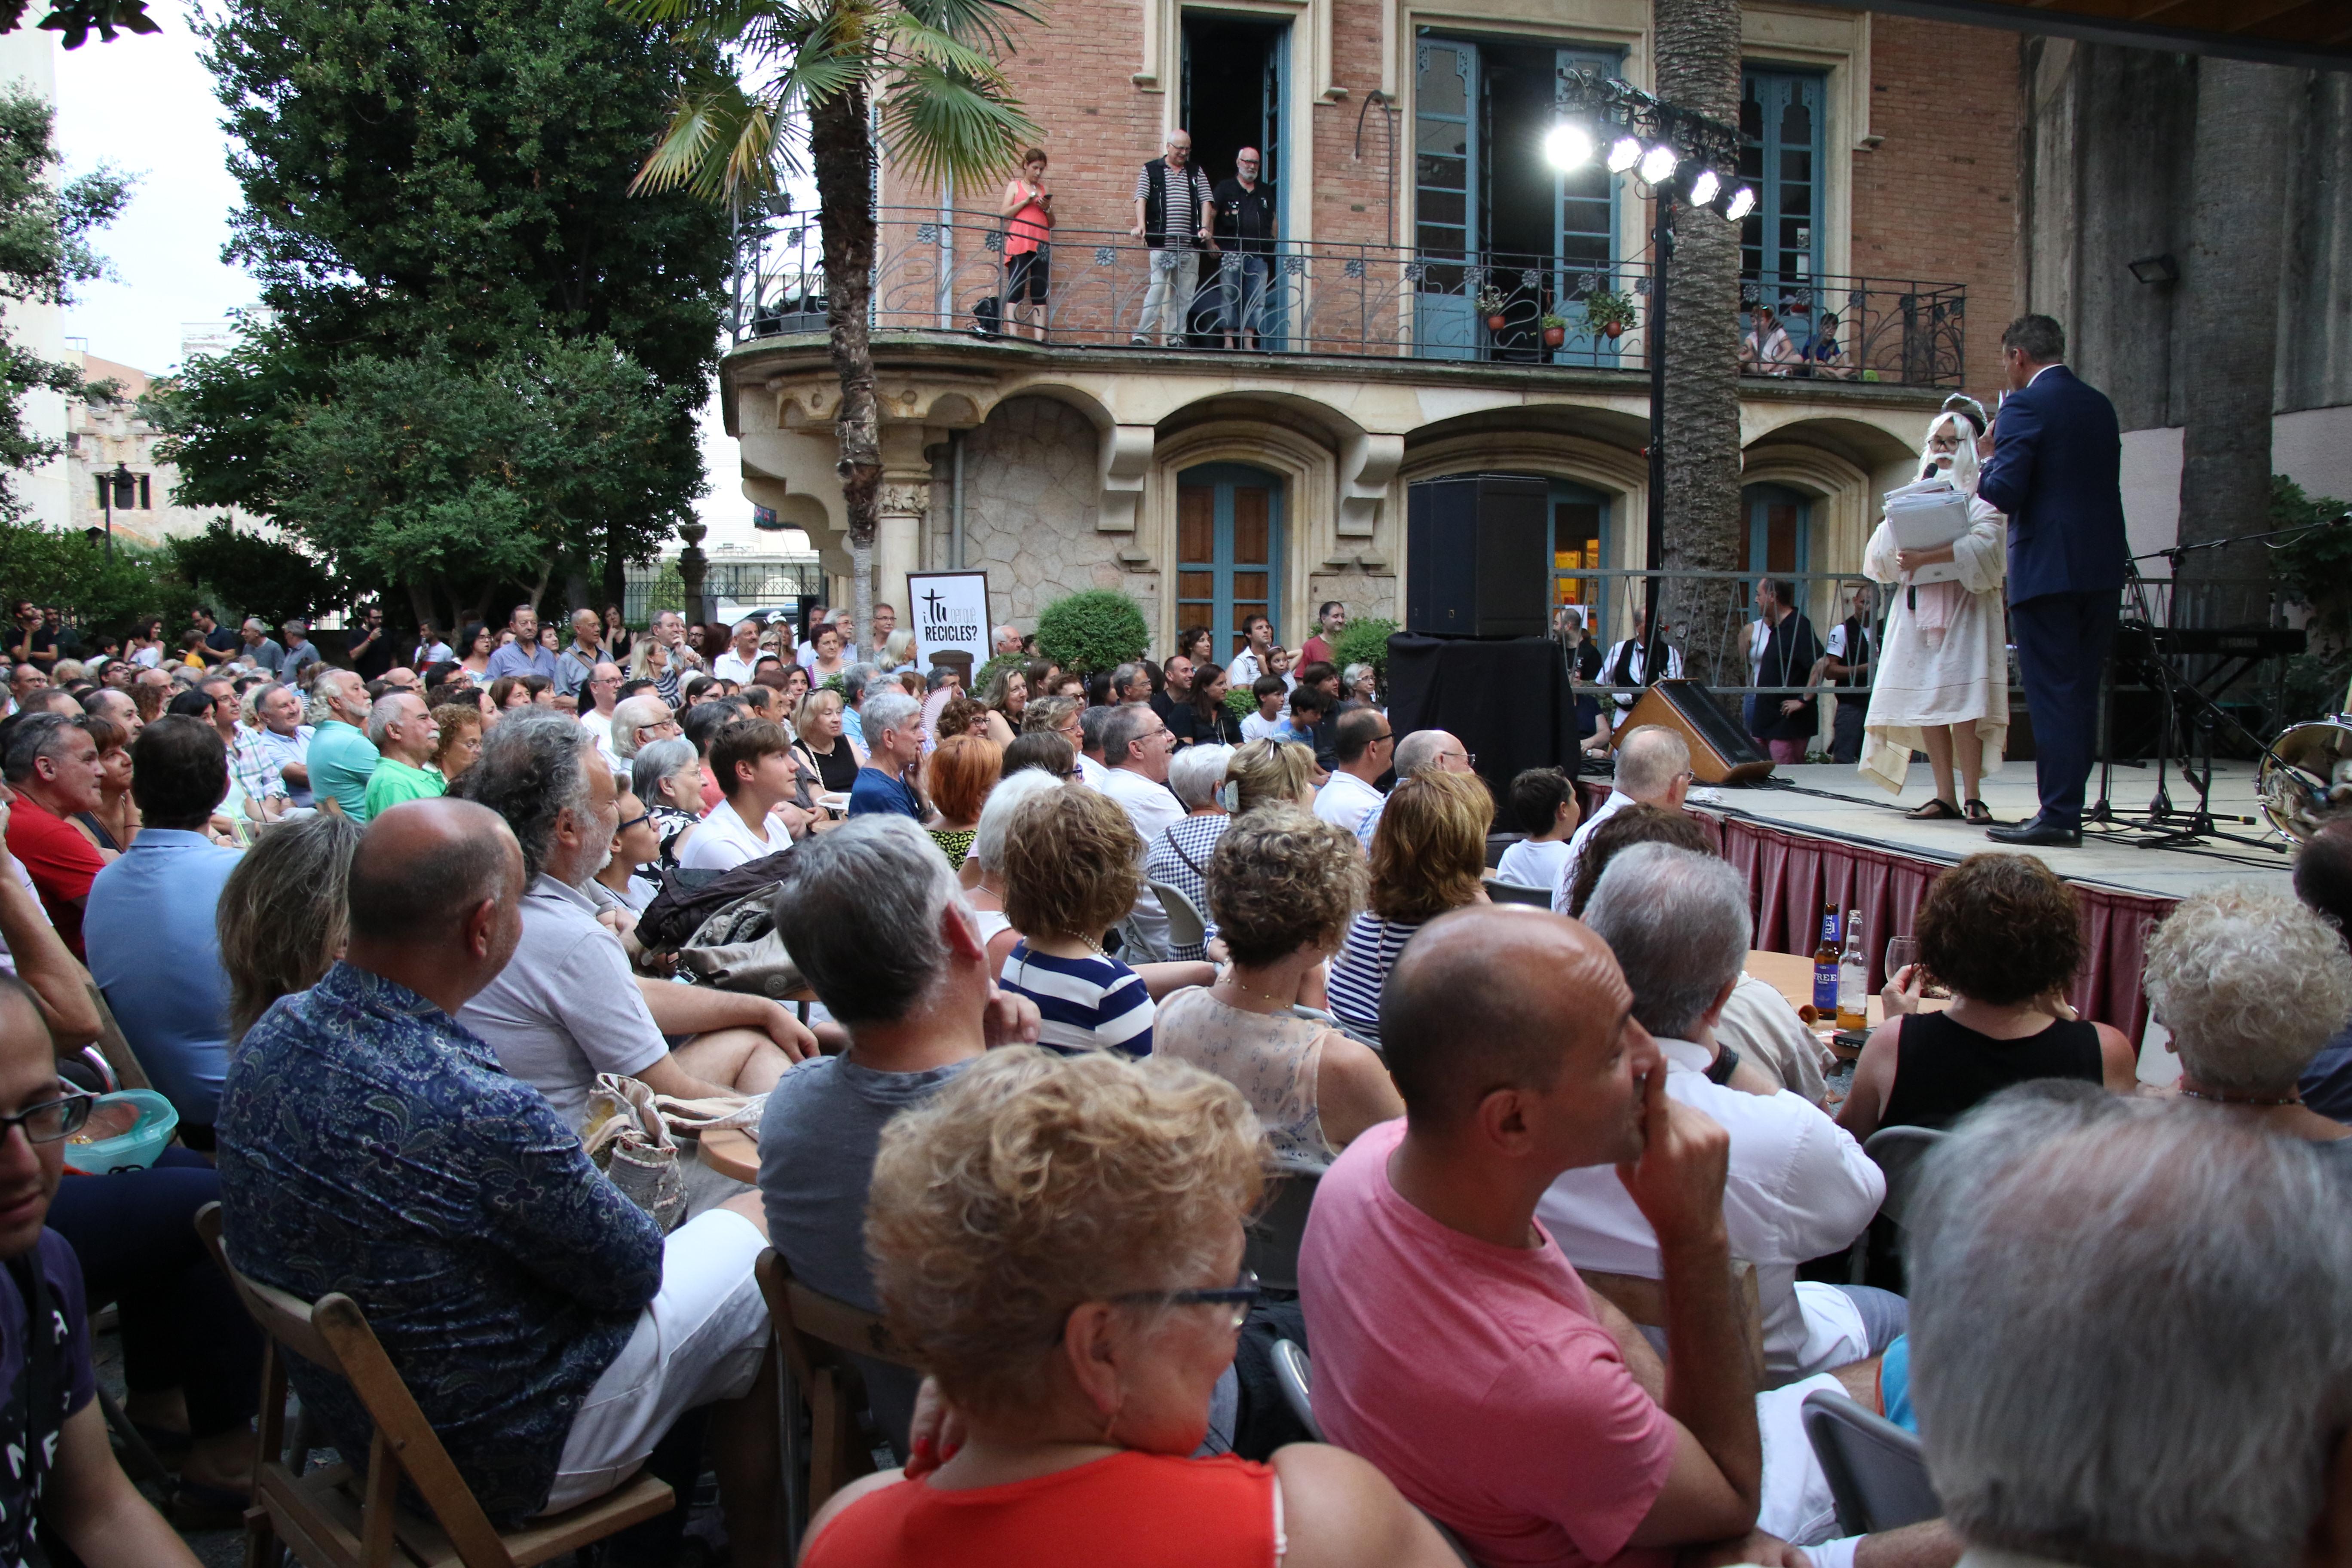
x=340, y=757
x=404, y=735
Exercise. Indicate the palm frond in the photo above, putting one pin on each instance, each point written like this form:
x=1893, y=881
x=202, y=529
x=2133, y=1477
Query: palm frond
x=938, y=123
x=988, y=23
x=719, y=140
x=904, y=42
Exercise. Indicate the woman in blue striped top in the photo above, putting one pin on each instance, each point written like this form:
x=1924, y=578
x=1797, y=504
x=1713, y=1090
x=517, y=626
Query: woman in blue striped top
x=1071, y=867
x=1429, y=855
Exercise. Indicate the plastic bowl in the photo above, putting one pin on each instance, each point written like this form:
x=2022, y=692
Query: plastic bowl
x=94, y=1153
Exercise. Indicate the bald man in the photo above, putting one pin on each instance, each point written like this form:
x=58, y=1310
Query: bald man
x=1548, y=1430
x=1652, y=769
x=549, y=1332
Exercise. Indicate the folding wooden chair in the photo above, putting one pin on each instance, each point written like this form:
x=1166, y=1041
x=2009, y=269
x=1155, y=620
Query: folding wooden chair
x=818, y=1335
x=337, y=1517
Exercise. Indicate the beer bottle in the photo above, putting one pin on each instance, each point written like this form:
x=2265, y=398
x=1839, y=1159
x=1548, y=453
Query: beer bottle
x=1853, y=978
x=1825, y=963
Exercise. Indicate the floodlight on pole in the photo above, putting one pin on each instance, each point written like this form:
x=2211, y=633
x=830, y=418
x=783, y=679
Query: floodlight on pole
x=1658, y=164
x=1568, y=146
x=1703, y=189
x=1623, y=153
x=1743, y=202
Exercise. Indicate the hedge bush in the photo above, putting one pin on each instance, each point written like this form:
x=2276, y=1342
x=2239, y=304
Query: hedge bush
x=1096, y=630
x=1365, y=641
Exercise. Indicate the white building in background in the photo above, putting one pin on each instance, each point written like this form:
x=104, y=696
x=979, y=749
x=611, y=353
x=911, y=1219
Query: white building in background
x=28, y=62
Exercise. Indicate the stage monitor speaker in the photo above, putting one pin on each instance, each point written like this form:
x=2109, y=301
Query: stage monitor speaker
x=1478, y=554
x=1719, y=753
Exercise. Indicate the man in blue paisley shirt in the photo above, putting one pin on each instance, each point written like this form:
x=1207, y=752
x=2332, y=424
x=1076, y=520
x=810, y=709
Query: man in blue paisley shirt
x=370, y=1144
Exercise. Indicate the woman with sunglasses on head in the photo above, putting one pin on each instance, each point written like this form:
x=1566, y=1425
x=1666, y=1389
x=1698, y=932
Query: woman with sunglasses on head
x=1059, y=1242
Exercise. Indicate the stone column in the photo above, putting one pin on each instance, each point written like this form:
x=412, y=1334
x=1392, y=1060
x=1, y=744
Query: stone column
x=898, y=539
x=691, y=563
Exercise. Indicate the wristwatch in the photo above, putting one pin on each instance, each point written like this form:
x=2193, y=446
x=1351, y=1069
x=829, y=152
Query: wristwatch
x=1726, y=1063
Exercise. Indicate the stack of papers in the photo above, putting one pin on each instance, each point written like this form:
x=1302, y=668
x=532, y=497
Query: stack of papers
x=1924, y=515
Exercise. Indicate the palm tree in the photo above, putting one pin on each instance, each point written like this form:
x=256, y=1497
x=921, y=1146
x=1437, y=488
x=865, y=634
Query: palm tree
x=946, y=111
x=1698, y=68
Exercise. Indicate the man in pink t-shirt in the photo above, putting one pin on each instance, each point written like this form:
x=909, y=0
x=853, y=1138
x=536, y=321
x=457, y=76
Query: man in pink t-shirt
x=1455, y=1347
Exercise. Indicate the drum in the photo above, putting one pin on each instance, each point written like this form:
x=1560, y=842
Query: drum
x=2306, y=780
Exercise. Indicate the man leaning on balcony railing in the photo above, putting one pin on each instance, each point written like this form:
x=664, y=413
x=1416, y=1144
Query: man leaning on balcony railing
x=1172, y=210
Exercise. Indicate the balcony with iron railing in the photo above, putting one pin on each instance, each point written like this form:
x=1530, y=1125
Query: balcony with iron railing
x=941, y=272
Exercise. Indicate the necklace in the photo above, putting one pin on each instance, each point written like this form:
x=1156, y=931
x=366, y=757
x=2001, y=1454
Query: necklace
x=1229, y=978
x=2218, y=1097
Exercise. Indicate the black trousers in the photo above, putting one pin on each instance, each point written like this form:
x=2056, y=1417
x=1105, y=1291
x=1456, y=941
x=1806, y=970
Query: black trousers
x=2061, y=646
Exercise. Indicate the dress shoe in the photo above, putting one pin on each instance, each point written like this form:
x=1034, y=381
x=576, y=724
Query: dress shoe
x=2038, y=833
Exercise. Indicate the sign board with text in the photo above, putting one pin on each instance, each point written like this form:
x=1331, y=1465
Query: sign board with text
x=950, y=612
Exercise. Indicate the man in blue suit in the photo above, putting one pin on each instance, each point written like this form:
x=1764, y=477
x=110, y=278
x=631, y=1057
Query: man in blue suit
x=2055, y=470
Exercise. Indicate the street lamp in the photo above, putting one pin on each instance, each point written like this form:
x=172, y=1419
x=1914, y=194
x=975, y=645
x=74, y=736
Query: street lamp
x=1676, y=154
x=118, y=489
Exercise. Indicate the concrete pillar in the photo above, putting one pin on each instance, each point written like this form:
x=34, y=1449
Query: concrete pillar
x=898, y=538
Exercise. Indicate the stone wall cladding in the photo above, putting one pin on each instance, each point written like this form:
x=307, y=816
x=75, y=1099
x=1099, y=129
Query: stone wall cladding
x=1937, y=200
x=1029, y=495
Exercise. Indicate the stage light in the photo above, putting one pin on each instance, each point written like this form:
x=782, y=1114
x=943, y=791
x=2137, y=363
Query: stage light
x=1658, y=164
x=1743, y=202
x=1703, y=189
x=1623, y=153
x=1566, y=146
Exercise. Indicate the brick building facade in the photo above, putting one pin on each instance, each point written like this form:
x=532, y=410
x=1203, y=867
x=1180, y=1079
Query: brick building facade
x=1224, y=471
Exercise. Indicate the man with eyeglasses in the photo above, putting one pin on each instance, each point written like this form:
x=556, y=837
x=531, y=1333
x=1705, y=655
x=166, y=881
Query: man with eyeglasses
x=1364, y=747
x=406, y=737
x=1421, y=751
x=1652, y=769
x=602, y=694
x=63, y=1470
x=1137, y=747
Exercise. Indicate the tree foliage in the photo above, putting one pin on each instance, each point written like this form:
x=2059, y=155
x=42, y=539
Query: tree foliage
x=64, y=569
x=1094, y=630
x=1365, y=640
x=255, y=573
x=45, y=250
x=455, y=478
x=77, y=18
x=439, y=190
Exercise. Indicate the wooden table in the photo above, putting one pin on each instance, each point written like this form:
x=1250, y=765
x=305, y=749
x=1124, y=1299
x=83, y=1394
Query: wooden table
x=732, y=1151
x=1791, y=974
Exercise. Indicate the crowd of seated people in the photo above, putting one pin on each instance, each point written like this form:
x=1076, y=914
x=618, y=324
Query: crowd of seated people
x=380, y=935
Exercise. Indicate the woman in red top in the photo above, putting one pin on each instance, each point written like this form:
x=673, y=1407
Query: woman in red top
x=1027, y=207
x=1059, y=1241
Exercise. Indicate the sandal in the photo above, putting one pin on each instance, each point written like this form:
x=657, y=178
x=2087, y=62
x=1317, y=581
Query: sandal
x=1980, y=814
x=1937, y=809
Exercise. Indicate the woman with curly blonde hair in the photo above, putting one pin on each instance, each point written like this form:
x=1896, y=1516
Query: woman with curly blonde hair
x=1282, y=887
x=1430, y=859
x=1059, y=1242
x=1071, y=867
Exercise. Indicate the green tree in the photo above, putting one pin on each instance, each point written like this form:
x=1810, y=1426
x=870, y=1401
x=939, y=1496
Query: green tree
x=67, y=570
x=1094, y=630
x=75, y=18
x=262, y=576
x=445, y=183
x=45, y=250
x=454, y=479
x=945, y=109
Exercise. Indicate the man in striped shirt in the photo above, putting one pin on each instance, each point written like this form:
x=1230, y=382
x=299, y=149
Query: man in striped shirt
x=1173, y=213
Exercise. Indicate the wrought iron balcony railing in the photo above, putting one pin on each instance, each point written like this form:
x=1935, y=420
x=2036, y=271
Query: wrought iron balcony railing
x=944, y=271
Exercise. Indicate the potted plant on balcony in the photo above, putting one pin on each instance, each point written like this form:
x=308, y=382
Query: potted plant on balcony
x=1608, y=313
x=1490, y=305
x=1555, y=331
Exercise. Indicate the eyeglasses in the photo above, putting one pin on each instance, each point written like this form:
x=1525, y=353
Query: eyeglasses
x=1074, y=774
x=1237, y=1298
x=641, y=818
x=51, y=1120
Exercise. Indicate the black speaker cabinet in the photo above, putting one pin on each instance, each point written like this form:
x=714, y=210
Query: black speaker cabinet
x=1476, y=556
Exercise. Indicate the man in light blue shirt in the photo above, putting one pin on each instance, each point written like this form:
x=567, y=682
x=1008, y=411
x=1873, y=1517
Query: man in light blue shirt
x=341, y=758
x=149, y=928
x=523, y=655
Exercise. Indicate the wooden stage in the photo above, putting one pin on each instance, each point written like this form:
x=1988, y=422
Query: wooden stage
x=1819, y=832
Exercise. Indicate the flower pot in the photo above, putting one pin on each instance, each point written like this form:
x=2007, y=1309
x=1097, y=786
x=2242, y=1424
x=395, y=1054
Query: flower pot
x=1495, y=323
x=1614, y=328
x=1555, y=336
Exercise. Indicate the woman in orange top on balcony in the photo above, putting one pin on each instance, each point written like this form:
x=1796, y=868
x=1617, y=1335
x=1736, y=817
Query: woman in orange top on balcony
x=1059, y=1241
x=1027, y=209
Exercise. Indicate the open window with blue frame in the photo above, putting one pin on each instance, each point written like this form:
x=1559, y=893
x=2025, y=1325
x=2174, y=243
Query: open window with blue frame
x=1229, y=537
x=1502, y=239
x=1781, y=139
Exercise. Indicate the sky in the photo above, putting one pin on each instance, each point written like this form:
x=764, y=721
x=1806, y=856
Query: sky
x=145, y=105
